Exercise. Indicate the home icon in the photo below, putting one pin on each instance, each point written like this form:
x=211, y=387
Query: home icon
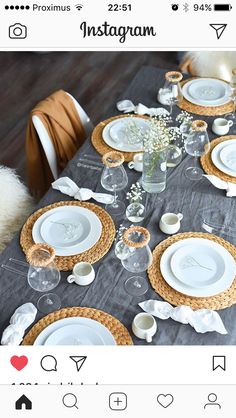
x=23, y=403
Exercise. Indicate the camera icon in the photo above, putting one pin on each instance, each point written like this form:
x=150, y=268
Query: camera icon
x=175, y=7
x=17, y=31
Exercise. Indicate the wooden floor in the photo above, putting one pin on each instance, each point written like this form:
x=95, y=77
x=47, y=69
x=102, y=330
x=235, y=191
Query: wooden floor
x=95, y=78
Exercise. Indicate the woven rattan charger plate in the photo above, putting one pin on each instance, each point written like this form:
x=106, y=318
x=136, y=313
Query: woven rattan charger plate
x=208, y=165
x=221, y=301
x=203, y=110
x=100, y=145
x=93, y=254
x=118, y=330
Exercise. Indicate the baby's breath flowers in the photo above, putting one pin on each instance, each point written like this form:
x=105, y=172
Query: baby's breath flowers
x=184, y=117
x=135, y=195
x=158, y=136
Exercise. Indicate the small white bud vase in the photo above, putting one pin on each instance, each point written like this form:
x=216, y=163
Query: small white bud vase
x=135, y=212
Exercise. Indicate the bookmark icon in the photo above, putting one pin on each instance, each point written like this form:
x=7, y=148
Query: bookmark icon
x=79, y=361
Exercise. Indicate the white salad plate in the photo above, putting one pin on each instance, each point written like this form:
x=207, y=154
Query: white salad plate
x=207, y=290
x=91, y=230
x=74, y=335
x=104, y=333
x=216, y=157
x=228, y=156
x=207, y=92
x=119, y=140
x=198, y=265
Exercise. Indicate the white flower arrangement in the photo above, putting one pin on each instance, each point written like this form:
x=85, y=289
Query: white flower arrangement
x=184, y=117
x=159, y=136
x=135, y=195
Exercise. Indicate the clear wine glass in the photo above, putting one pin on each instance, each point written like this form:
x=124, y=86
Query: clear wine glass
x=196, y=144
x=172, y=90
x=43, y=276
x=137, y=258
x=114, y=179
x=232, y=116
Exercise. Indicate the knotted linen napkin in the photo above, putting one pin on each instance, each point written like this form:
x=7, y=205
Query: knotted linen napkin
x=22, y=318
x=127, y=106
x=67, y=186
x=222, y=184
x=202, y=320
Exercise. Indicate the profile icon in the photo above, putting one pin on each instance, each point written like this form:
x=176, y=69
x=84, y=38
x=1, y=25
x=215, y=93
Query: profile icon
x=212, y=401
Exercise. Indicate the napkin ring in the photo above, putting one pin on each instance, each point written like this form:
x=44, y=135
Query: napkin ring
x=199, y=125
x=139, y=229
x=113, y=159
x=40, y=255
x=173, y=76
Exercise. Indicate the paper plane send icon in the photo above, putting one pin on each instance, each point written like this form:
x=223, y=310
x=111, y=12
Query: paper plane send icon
x=219, y=28
x=79, y=361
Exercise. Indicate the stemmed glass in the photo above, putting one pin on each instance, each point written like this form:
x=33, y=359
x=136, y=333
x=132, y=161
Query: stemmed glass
x=172, y=89
x=114, y=179
x=196, y=144
x=43, y=276
x=137, y=258
x=232, y=116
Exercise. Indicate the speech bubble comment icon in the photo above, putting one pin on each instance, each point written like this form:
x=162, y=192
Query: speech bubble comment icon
x=49, y=363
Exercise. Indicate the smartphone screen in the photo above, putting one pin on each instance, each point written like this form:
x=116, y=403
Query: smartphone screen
x=117, y=208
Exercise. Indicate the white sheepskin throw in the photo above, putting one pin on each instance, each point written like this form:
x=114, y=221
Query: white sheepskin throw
x=211, y=63
x=15, y=205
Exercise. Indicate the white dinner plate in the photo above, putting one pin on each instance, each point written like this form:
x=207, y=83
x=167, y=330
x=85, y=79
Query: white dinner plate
x=198, y=265
x=86, y=244
x=216, y=159
x=207, y=92
x=228, y=156
x=74, y=335
x=100, y=329
x=65, y=229
x=206, y=291
x=119, y=134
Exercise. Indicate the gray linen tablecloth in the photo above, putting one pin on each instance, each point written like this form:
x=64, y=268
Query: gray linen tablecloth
x=107, y=291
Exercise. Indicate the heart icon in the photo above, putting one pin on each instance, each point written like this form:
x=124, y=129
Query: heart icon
x=165, y=400
x=19, y=362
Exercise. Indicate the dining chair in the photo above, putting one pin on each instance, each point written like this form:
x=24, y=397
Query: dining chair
x=46, y=141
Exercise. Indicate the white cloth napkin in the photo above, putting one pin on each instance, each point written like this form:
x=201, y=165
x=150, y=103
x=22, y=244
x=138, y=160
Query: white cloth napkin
x=22, y=318
x=202, y=320
x=223, y=185
x=67, y=186
x=126, y=106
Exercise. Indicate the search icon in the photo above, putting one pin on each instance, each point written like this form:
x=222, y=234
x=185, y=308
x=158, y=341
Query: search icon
x=70, y=400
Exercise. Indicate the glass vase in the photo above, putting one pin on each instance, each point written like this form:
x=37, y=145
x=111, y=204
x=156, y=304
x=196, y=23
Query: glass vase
x=135, y=212
x=154, y=171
